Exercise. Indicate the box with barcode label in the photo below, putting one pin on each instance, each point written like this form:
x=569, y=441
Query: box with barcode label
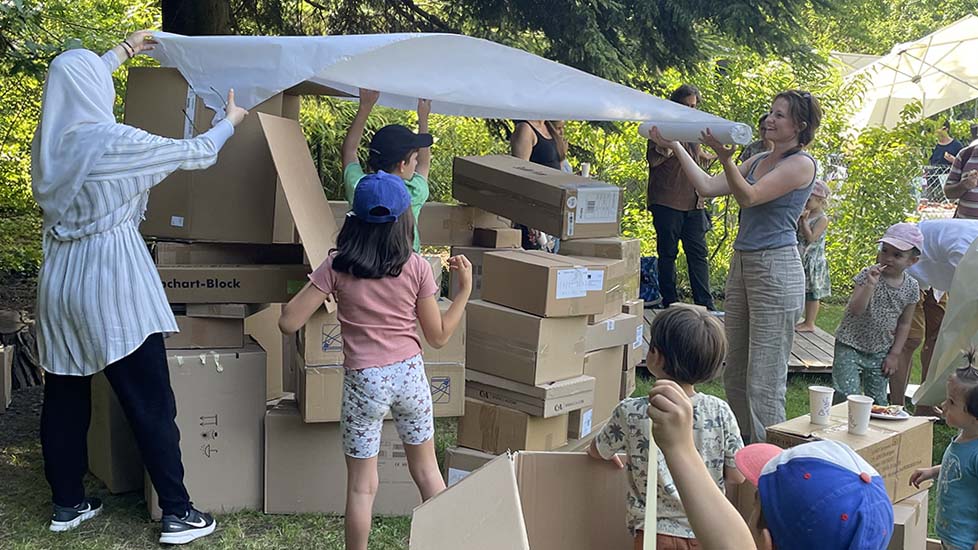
x=555, y=202
x=545, y=284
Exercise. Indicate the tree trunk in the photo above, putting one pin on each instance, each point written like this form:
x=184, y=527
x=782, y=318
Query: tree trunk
x=197, y=17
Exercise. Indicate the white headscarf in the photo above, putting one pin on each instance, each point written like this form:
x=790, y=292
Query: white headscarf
x=76, y=128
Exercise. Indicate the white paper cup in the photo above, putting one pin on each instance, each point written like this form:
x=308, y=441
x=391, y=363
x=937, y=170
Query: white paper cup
x=819, y=404
x=859, y=408
x=586, y=169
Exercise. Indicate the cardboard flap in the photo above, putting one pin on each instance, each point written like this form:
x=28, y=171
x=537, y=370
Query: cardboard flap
x=303, y=189
x=480, y=512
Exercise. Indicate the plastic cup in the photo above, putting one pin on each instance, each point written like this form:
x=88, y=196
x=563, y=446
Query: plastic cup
x=819, y=404
x=860, y=407
x=586, y=169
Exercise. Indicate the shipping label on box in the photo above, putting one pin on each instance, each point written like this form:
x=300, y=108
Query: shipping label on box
x=240, y=284
x=460, y=462
x=546, y=400
x=629, y=250
x=544, y=284
x=220, y=407
x=320, y=391
x=305, y=467
x=616, y=331
x=495, y=429
x=522, y=347
x=895, y=449
x=564, y=205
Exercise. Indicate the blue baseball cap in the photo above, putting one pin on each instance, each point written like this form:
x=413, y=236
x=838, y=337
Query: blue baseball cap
x=819, y=495
x=380, y=198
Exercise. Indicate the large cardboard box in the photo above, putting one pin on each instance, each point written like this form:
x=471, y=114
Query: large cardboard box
x=561, y=204
x=618, y=248
x=220, y=410
x=495, y=429
x=543, y=501
x=204, y=332
x=895, y=449
x=546, y=400
x=605, y=366
x=320, y=391
x=6, y=377
x=322, y=340
x=177, y=253
x=497, y=237
x=460, y=462
x=910, y=523
x=475, y=256
x=233, y=200
x=279, y=348
x=239, y=284
x=522, y=347
x=113, y=456
x=544, y=284
x=305, y=469
x=617, y=331
x=440, y=224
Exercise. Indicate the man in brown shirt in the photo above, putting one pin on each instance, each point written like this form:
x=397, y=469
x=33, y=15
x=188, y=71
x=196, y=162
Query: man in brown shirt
x=679, y=214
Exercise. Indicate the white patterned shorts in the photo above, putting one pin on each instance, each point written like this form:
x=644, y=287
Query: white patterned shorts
x=368, y=395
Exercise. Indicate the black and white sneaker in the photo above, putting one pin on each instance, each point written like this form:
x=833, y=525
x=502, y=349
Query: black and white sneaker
x=194, y=525
x=66, y=519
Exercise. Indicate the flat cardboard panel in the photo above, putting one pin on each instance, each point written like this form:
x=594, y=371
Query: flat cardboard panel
x=497, y=238
x=263, y=327
x=544, y=284
x=203, y=332
x=572, y=502
x=546, y=400
x=233, y=200
x=244, y=284
x=565, y=205
x=320, y=391
x=440, y=224
x=220, y=410
x=910, y=523
x=481, y=512
x=460, y=462
x=475, y=257
x=6, y=377
x=302, y=186
x=496, y=429
x=616, y=331
x=894, y=448
x=522, y=347
x=175, y=253
x=305, y=469
x=113, y=456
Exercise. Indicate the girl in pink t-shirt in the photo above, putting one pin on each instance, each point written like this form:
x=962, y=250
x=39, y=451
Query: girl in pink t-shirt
x=382, y=288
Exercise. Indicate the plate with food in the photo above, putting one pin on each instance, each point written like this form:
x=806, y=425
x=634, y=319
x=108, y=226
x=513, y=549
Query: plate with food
x=892, y=412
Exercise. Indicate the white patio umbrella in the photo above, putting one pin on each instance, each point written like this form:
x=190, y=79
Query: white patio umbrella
x=853, y=61
x=938, y=70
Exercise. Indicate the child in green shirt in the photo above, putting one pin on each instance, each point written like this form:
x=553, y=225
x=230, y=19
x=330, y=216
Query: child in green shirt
x=394, y=149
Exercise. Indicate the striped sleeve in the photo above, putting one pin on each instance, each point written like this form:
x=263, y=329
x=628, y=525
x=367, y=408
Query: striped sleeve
x=955, y=174
x=139, y=153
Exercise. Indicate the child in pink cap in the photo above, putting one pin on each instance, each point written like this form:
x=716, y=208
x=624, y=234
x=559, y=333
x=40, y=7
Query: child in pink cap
x=877, y=320
x=812, y=225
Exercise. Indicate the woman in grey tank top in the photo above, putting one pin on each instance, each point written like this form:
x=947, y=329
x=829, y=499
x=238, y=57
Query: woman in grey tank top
x=765, y=289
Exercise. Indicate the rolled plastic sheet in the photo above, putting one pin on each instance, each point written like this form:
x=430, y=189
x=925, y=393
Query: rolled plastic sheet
x=725, y=131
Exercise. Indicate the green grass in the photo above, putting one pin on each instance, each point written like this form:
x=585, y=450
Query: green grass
x=25, y=498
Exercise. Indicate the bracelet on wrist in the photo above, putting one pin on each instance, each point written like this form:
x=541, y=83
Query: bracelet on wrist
x=130, y=51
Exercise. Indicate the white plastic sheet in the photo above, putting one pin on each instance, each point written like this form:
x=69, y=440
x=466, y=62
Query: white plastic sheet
x=461, y=75
x=959, y=330
x=726, y=132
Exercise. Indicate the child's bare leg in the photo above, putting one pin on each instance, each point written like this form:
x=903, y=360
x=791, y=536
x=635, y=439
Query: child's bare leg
x=811, y=313
x=361, y=488
x=423, y=466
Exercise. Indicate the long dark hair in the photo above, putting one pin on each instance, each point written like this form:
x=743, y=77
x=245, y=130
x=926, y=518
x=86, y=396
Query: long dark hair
x=374, y=250
x=806, y=112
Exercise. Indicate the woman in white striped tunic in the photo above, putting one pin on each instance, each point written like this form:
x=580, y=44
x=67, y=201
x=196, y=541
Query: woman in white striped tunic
x=100, y=302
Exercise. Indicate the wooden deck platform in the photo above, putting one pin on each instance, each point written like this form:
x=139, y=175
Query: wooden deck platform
x=811, y=352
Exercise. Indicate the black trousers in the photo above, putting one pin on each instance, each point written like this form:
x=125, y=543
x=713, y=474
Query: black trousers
x=672, y=226
x=141, y=381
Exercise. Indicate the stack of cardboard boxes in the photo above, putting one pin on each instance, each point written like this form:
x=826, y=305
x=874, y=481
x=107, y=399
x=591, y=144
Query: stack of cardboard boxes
x=553, y=339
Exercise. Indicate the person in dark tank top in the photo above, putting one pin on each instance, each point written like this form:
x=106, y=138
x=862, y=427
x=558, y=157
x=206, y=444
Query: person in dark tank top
x=535, y=141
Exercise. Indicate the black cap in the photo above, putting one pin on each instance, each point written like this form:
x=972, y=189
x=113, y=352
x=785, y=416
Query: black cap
x=393, y=142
